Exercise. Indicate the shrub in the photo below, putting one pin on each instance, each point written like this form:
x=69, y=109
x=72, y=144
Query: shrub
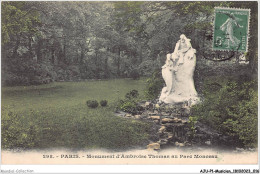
x=192, y=123
x=132, y=94
x=130, y=103
x=232, y=110
x=103, y=103
x=128, y=106
x=92, y=103
x=154, y=85
x=18, y=134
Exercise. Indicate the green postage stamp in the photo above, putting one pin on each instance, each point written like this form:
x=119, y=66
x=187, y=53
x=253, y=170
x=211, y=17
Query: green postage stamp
x=231, y=29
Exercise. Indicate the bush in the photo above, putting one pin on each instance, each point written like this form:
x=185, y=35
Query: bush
x=103, y=103
x=130, y=103
x=132, y=94
x=128, y=106
x=29, y=73
x=92, y=103
x=131, y=107
x=154, y=85
x=232, y=110
x=192, y=122
x=18, y=134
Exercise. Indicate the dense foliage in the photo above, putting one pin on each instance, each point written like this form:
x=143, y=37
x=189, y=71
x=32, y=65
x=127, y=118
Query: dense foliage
x=230, y=107
x=16, y=136
x=67, y=41
x=154, y=85
x=130, y=103
x=229, y=101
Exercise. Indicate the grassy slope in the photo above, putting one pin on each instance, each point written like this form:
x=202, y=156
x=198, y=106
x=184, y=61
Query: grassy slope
x=56, y=115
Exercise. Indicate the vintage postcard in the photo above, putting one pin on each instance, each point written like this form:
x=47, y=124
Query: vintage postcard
x=129, y=83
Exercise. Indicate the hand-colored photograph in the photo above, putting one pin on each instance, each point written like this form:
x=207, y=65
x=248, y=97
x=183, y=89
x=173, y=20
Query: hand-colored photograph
x=129, y=82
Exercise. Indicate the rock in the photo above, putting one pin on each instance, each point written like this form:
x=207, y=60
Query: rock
x=154, y=146
x=174, y=115
x=156, y=121
x=187, y=144
x=187, y=110
x=152, y=113
x=168, y=116
x=164, y=113
x=208, y=142
x=155, y=117
x=128, y=115
x=137, y=116
x=142, y=104
x=148, y=104
x=162, y=129
x=157, y=106
x=175, y=120
x=252, y=149
x=166, y=107
x=163, y=141
x=179, y=121
x=184, y=121
x=144, y=114
x=179, y=144
x=167, y=120
x=168, y=124
x=156, y=112
x=170, y=136
x=240, y=149
x=171, y=106
x=120, y=113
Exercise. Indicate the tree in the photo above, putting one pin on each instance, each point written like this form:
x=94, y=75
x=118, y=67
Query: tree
x=68, y=40
x=18, y=18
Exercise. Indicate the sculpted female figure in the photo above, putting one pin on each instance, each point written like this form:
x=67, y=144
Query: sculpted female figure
x=178, y=74
x=228, y=27
x=168, y=70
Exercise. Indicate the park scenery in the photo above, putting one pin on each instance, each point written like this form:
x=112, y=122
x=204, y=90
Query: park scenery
x=122, y=76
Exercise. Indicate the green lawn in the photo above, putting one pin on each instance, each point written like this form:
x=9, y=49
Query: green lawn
x=56, y=115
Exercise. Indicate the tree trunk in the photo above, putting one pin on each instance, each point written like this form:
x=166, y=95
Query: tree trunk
x=64, y=50
x=15, y=54
x=118, y=62
x=38, y=50
x=30, y=47
x=96, y=63
x=82, y=54
x=106, y=67
x=253, y=62
x=140, y=52
x=53, y=54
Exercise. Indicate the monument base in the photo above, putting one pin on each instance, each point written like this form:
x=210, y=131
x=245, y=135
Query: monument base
x=171, y=98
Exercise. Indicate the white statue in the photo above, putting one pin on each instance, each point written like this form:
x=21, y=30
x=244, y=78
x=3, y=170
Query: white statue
x=178, y=74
